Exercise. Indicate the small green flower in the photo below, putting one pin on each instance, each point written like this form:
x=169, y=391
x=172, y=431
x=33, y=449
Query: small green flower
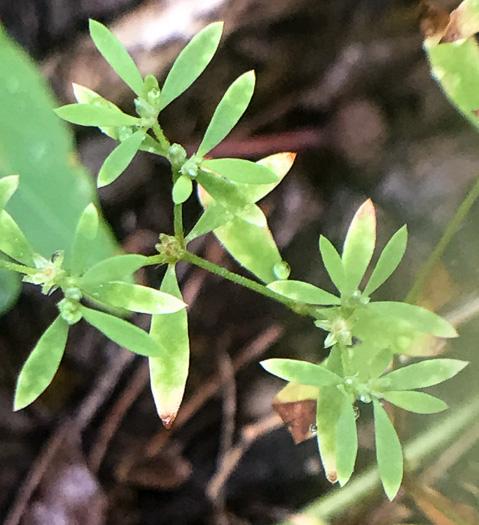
x=49, y=272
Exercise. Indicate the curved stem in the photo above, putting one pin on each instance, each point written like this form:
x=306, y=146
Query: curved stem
x=441, y=246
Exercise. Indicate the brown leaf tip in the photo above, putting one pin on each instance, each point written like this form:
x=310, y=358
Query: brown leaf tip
x=168, y=420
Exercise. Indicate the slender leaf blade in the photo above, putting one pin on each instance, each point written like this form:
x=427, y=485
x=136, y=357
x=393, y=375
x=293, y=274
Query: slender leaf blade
x=116, y=55
x=418, y=402
x=420, y=375
x=359, y=245
x=388, y=452
x=191, y=62
x=98, y=116
x=417, y=317
x=134, y=297
x=346, y=441
x=301, y=372
x=333, y=263
x=84, y=239
x=168, y=372
x=241, y=170
x=182, y=189
x=228, y=112
x=113, y=269
x=304, y=292
x=42, y=364
x=123, y=333
x=388, y=261
x=13, y=242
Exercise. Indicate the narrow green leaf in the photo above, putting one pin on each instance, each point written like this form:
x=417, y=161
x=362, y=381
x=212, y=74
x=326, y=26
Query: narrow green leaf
x=8, y=186
x=332, y=262
x=119, y=159
x=12, y=241
x=418, y=402
x=191, y=62
x=417, y=317
x=389, y=260
x=379, y=363
x=116, y=55
x=84, y=95
x=182, y=189
x=296, y=392
x=388, y=452
x=359, y=245
x=241, y=170
x=346, y=441
x=134, y=297
x=113, y=269
x=304, y=292
x=301, y=372
x=228, y=112
x=41, y=366
x=168, y=372
x=225, y=192
x=99, y=116
x=421, y=375
x=83, y=240
x=123, y=333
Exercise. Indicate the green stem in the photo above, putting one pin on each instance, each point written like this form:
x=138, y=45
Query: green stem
x=297, y=307
x=178, y=214
x=441, y=246
x=160, y=136
x=367, y=483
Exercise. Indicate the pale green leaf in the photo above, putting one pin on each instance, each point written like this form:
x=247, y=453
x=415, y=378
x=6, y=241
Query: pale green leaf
x=83, y=240
x=346, y=441
x=99, y=116
x=191, y=62
x=418, y=402
x=41, y=366
x=332, y=262
x=113, y=269
x=304, y=292
x=13, y=242
x=241, y=171
x=116, y=55
x=8, y=186
x=228, y=112
x=182, y=189
x=169, y=371
x=301, y=372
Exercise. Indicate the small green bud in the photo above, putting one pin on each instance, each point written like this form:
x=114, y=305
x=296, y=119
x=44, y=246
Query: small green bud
x=281, y=270
x=70, y=310
x=125, y=132
x=176, y=155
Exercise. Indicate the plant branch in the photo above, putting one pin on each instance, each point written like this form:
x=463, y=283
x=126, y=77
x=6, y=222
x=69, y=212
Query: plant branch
x=296, y=306
x=18, y=268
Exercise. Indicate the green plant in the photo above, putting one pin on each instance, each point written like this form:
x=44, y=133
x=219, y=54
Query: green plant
x=363, y=335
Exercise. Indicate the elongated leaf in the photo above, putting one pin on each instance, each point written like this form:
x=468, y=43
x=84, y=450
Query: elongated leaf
x=8, y=186
x=13, y=242
x=279, y=164
x=296, y=392
x=83, y=240
x=41, y=366
x=119, y=159
x=84, y=95
x=304, y=292
x=346, y=441
x=421, y=375
x=388, y=452
x=113, y=269
x=379, y=363
x=241, y=170
x=359, y=245
x=123, y=333
x=182, y=189
x=332, y=262
x=99, y=116
x=417, y=317
x=228, y=112
x=301, y=372
x=116, y=55
x=134, y=297
x=418, y=402
x=168, y=372
x=389, y=260
x=191, y=62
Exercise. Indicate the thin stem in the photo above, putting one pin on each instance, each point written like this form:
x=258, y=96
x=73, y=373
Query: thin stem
x=164, y=142
x=441, y=246
x=178, y=214
x=297, y=307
